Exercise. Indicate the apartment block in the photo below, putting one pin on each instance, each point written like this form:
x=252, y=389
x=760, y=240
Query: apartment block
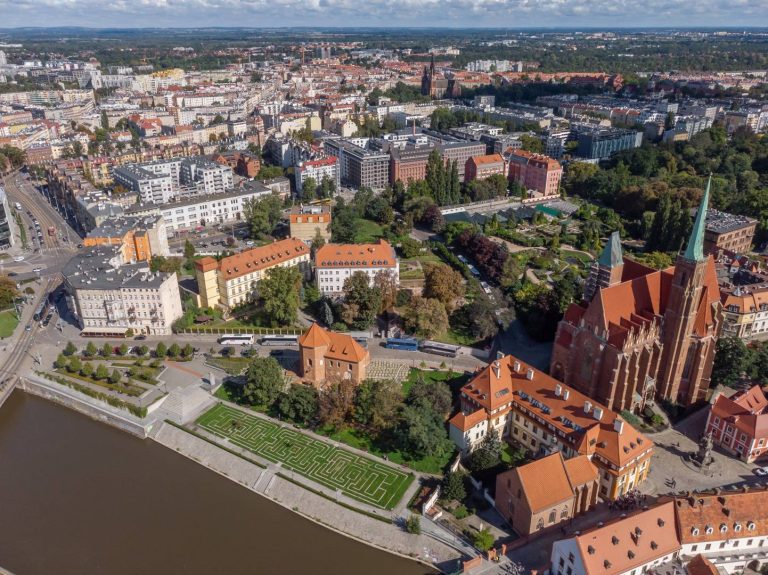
x=139, y=238
x=535, y=172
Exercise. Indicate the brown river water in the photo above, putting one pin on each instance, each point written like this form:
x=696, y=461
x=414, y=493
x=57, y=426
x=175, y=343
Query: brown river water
x=79, y=497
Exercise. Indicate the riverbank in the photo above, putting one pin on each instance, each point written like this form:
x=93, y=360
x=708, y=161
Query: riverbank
x=382, y=531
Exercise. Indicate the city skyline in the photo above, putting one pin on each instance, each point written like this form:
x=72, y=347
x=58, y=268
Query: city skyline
x=377, y=13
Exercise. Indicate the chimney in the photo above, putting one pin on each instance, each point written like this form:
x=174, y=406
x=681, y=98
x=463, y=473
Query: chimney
x=558, y=390
x=618, y=425
x=529, y=374
x=587, y=406
x=597, y=413
x=516, y=366
x=566, y=393
x=497, y=369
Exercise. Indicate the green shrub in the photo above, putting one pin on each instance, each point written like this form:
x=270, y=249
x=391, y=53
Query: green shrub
x=461, y=512
x=413, y=525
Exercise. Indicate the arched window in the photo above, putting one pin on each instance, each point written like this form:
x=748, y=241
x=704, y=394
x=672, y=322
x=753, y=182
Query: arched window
x=552, y=516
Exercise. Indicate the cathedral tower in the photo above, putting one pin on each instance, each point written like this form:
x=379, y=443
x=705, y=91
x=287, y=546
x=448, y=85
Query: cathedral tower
x=607, y=270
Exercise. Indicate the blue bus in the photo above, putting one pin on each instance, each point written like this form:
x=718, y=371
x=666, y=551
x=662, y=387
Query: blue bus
x=404, y=343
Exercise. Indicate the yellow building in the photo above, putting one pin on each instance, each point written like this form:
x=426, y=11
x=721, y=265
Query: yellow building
x=232, y=281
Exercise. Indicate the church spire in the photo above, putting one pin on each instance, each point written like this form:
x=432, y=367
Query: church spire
x=612, y=256
x=694, y=251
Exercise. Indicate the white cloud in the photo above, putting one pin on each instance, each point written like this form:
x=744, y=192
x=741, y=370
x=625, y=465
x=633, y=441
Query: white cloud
x=459, y=13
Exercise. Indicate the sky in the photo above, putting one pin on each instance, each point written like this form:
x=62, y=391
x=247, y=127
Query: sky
x=383, y=13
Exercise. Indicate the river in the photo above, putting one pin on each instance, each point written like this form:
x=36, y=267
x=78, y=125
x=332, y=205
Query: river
x=79, y=497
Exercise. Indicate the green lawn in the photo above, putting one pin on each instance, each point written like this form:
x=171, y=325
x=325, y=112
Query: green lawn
x=363, y=479
x=232, y=365
x=367, y=231
x=360, y=440
x=452, y=378
x=8, y=323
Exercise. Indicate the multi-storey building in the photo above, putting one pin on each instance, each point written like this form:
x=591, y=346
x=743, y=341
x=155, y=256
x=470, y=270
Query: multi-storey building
x=334, y=263
x=6, y=231
x=233, y=280
x=205, y=176
x=630, y=545
x=205, y=210
x=329, y=357
x=317, y=169
x=603, y=143
x=535, y=172
x=306, y=222
x=728, y=232
x=108, y=296
x=546, y=492
x=739, y=424
x=139, y=238
x=745, y=311
x=151, y=187
x=243, y=164
x=533, y=410
x=408, y=164
x=482, y=167
x=644, y=333
x=727, y=528
x=360, y=166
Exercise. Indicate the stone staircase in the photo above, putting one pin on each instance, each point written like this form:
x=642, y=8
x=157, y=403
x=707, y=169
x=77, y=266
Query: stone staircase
x=185, y=404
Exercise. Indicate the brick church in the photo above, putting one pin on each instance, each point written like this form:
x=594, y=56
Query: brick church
x=642, y=334
x=438, y=86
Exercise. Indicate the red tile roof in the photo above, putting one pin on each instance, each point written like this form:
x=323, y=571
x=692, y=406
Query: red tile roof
x=376, y=255
x=259, y=258
x=726, y=514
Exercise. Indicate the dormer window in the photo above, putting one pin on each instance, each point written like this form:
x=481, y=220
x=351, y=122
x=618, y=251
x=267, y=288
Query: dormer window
x=695, y=531
x=709, y=530
x=723, y=528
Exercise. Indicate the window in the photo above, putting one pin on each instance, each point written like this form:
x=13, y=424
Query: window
x=552, y=516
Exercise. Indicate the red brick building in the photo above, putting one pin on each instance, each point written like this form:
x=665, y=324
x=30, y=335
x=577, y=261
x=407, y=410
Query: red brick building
x=535, y=172
x=326, y=356
x=243, y=164
x=642, y=333
x=409, y=164
x=482, y=167
x=739, y=424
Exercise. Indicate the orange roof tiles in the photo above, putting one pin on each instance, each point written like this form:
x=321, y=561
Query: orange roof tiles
x=259, y=258
x=700, y=565
x=531, y=390
x=340, y=345
x=487, y=159
x=725, y=514
x=620, y=546
x=376, y=255
x=545, y=482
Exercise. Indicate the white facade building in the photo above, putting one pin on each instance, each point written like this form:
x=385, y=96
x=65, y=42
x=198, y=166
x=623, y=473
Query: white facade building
x=334, y=263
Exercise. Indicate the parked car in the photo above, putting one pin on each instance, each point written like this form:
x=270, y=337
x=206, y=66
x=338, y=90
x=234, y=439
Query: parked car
x=37, y=270
x=18, y=258
x=761, y=471
x=140, y=337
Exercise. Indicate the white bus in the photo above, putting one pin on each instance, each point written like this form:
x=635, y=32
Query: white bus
x=280, y=340
x=236, y=339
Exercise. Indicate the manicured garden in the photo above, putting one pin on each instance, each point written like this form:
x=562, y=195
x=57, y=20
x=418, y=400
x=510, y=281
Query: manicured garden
x=363, y=479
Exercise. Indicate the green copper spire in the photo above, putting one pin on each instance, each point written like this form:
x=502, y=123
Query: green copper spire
x=694, y=251
x=611, y=256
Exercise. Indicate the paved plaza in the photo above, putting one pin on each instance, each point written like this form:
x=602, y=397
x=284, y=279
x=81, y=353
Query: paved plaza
x=379, y=369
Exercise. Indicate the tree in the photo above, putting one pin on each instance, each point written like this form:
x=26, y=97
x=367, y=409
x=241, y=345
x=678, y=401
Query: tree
x=279, y=292
x=61, y=361
x=188, y=350
x=115, y=377
x=263, y=214
x=327, y=314
x=478, y=318
x=484, y=539
x=8, y=292
x=74, y=364
x=336, y=403
x=487, y=455
x=104, y=120
x=189, y=250
x=413, y=524
x=444, y=284
x=174, y=350
x=142, y=350
x=453, y=487
x=361, y=302
x=732, y=360
x=430, y=396
x=264, y=381
x=309, y=189
x=385, y=282
x=377, y=402
x=123, y=349
x=107, y=349
x=101, y=372
x=90, y=350
x=161, y=350
x=420, y=432
x=299, y=404
x=87, y=369
x=425, y=317
x=70, y=349
x=531, y=143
